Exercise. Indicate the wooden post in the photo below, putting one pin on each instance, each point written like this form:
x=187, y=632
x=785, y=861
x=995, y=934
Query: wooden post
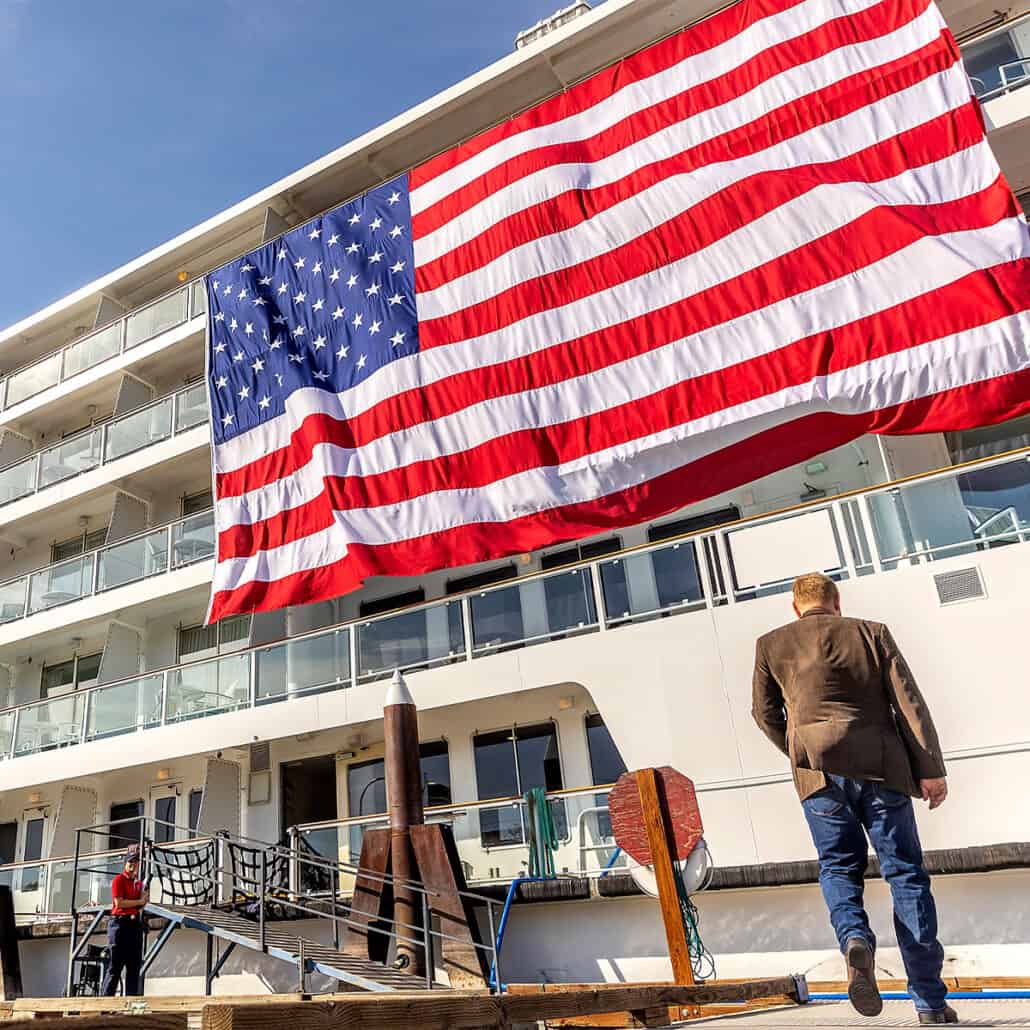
x=10, y=962
x=659, y=838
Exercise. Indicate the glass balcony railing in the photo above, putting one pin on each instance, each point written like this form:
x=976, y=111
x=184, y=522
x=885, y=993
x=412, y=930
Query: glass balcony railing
x=1000, y=62
x=153, y=423
x=534, y=610
x=961, y=511
x=148, y=554
x=135, y=328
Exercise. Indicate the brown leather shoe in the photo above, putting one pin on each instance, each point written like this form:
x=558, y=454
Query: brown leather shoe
x=938, y=1017
x=862, y=990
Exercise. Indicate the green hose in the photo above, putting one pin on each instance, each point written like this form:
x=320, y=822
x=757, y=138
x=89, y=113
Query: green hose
x=543, y=837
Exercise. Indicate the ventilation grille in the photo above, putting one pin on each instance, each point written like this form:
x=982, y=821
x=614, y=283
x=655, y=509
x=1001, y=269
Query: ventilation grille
x=960, y=585
x=260, y=757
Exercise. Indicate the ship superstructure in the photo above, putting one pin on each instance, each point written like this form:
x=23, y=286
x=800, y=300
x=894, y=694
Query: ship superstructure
x=557, y=669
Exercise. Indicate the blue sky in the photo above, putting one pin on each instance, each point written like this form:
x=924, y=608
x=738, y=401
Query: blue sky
x=123, y=122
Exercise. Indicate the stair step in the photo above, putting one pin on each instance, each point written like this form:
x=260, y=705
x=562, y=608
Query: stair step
x=246, y=932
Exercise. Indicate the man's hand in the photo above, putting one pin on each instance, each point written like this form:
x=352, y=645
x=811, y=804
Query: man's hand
x=934, y=791
x=144, y=899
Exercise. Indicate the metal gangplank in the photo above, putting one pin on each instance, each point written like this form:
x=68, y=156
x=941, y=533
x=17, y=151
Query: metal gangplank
x=307, y=955
x=246, y=893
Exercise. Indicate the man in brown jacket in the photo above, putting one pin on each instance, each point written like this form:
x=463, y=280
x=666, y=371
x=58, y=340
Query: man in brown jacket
x=836, y=696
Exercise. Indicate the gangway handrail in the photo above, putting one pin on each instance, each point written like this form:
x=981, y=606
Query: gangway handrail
x=152, y=863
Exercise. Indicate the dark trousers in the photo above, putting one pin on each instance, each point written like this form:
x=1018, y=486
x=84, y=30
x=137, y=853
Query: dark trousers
x=125, y=942
x=840, y=817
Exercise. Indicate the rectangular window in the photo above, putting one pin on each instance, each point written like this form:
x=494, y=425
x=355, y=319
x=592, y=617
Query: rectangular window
x=693, y=523
x=388, y=604
x=123, y=833
x=78, y=545
x=164, y=819
x=196, y=796
x=32, y=851
x=192, y=503
x=606, y=764
x=581, y=552
x=508, y=764
x=481, y=579
x=64, y=677
x=8, y=844
x=435, y=766
x=220, y=637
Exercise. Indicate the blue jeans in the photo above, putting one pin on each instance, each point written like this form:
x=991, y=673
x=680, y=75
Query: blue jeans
x=839, y=817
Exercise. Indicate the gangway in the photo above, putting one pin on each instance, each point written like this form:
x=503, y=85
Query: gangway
x=245, y=893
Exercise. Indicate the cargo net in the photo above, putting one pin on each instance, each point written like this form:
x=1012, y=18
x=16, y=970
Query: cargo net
x=245, y=863
x=186, y=874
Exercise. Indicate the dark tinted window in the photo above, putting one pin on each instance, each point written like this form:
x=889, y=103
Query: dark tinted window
x=436, y=773
x=388, y=604
x=164, y=819
x=8, y=842
x=706, y=520
x=125, y=833
x=606, y=764
x=581, y=552
x=538, y=758
x=366, y=788
x=481, y=579
x=33, y=840
x=496, y=776
x=196, y=796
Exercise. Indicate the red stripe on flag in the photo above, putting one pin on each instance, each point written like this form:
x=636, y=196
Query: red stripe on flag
x=864, y=26
x=978, y=299
x=1005, y=396
x=875, y=235
x=656, y=58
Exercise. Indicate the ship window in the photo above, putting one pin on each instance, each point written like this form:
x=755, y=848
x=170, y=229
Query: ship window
x=693, y=523
x=606, y=764
x=74, y=674
x=124, y=833
x=8, y=842
x=986, y=441
x=80, y=544
x=164, y=819
x=387, y=604
x=481, y=579
x=196, y=796
x=192, y=503
x=581, y=552
x=206, y=641
x=435, y=766
x=509, y=763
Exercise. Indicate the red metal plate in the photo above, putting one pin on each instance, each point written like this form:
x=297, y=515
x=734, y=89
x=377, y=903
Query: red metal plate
x=679, y=802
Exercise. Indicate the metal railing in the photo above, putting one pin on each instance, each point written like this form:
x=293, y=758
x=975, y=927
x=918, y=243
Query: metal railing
x=238, y=872
x=154, y=422
x=1012, y=75
x=958, y=511
x=490, y=835
x=158, y=316
x=151, y=552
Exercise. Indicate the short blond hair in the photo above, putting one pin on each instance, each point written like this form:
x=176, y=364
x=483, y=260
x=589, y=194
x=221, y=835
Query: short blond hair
x=814, y=590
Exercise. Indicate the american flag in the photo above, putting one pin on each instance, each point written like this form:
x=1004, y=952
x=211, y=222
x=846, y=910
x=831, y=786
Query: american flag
x=753, y=241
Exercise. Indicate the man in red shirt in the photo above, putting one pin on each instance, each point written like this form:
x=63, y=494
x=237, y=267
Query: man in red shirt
x=125, y=928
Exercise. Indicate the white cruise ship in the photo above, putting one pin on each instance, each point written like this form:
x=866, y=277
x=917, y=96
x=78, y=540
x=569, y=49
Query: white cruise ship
x=557, y=669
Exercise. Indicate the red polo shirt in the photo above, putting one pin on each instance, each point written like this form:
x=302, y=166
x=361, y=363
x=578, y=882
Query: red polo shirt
x=127, y=889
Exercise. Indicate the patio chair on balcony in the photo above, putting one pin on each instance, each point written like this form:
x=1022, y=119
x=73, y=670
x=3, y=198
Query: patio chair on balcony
x=988, y=524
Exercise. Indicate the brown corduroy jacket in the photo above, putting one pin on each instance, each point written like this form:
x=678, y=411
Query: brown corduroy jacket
x=836, y=696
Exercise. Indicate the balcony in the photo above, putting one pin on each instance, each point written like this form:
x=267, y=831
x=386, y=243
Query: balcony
x=999, y=62
x=136, y=558
x=137, y=327
x=153, y=423
x=963, y=511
